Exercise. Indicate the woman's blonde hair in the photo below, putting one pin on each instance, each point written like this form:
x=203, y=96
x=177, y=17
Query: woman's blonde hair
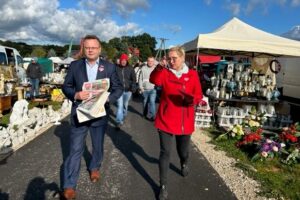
x=179, y=50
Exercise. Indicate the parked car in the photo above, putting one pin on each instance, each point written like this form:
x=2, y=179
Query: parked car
x=10, y=56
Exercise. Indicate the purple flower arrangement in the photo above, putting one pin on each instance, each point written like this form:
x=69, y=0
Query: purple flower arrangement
x=269, y=149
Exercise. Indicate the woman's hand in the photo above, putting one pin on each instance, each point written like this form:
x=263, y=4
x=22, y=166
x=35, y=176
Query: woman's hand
x=188, y=100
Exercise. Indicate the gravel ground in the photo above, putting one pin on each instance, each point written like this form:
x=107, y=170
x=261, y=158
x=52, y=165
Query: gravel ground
x=242, y=186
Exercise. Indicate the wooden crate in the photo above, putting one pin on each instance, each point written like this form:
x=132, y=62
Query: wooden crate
x=5, y=103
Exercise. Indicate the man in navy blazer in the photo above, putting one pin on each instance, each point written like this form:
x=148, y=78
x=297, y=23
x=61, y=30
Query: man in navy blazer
x=89, y=68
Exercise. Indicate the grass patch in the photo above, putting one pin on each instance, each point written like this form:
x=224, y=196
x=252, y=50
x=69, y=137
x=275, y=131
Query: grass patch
x=55, y=105
x=277, y=179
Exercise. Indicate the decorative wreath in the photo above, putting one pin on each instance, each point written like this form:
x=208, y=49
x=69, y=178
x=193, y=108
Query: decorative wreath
x=277, y=66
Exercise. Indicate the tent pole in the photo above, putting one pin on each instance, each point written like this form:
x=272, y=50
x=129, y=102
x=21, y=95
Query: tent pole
x=197, y=59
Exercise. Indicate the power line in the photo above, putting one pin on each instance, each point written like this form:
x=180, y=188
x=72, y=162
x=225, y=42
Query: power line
x=162, y=48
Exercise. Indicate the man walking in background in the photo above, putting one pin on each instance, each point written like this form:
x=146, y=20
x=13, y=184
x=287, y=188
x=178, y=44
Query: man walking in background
x=34, y=72
x=147, y=89
x=127, y=77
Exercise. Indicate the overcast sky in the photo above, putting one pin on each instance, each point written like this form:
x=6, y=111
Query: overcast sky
x=58, y=21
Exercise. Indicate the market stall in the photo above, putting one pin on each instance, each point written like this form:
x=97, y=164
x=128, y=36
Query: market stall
x=238, y=38
x=8, y=82
x=249, y=79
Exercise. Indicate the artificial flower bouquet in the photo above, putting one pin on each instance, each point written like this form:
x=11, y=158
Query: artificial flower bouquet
x=291, y=137
x=269, y=149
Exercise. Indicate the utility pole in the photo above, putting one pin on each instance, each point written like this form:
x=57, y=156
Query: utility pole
x=70, y=47
x=162, y=47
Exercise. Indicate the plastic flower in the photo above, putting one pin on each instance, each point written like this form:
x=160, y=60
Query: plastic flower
x=234, y=131
x=270, y=146
x=269, y=141
x=264, y=154
x=268, y=149
x=285, y=128
x=253, y=123
x=275, y=148
x=290, y=134
x=238, y=130
x=282, y=145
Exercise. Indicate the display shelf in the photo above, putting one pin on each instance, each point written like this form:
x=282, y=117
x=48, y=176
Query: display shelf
x=203, y=120
x=203, y=114
x=245, y=100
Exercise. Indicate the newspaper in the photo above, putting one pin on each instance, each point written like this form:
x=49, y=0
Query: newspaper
x=93, y=107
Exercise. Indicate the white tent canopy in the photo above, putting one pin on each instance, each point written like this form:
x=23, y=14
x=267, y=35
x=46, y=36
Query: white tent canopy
x=55, y=59
x=236, y=37
x=67, y=61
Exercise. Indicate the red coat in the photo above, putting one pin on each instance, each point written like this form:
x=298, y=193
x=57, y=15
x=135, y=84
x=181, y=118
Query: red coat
x=174, y=116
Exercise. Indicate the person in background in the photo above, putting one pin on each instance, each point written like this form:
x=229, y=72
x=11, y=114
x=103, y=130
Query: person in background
x=137, y=69
x=128, y=79
x=147, y=89
x=162, y=63
x=88, y=68
x=34, y=73
x=181, y=91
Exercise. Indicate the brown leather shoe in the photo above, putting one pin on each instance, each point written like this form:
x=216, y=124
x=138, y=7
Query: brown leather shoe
x=69, y=193
x=95, y=176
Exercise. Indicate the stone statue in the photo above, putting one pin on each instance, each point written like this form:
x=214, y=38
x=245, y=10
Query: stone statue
x=19, y=112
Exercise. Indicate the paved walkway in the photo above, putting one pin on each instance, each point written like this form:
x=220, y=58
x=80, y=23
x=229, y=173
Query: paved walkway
x=129, y=170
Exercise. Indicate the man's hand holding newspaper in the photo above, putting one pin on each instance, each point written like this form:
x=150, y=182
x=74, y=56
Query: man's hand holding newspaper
x=93, y=107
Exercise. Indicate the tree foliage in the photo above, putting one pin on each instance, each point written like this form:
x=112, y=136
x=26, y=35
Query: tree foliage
x=51, y=53
x=111, y=49
x=144, y=42
x=39, y=52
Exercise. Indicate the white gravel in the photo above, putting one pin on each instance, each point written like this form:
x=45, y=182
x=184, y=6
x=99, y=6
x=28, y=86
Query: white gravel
x=243, y=187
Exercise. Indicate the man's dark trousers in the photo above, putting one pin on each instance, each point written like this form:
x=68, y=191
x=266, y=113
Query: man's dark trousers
x=77, y=142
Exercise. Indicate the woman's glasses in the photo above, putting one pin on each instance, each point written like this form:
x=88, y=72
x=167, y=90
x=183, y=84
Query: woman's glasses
x=172, y=59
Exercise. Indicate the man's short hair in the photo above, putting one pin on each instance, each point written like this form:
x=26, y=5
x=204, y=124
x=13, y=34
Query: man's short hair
x=92, y=37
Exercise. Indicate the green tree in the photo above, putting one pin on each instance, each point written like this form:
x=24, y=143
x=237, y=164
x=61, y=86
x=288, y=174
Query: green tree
x=144, y=42
x=51, y=53
x=145, y=52
x=111, y=53
x=39, y=51
x=115, y=43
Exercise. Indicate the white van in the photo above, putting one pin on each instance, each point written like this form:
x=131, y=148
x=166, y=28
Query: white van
x=288, y=77
x=9, y=55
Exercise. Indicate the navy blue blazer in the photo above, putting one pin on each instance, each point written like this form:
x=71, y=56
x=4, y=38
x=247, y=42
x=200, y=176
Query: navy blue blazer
x=74, y=80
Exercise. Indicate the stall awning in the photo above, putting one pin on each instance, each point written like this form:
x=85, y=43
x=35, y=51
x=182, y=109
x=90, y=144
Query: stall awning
x=238, y=38
x=204, y=59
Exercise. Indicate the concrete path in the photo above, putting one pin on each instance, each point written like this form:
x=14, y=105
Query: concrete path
x=129, y=170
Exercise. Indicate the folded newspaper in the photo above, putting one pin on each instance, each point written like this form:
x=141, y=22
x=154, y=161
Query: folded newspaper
x=93, y=107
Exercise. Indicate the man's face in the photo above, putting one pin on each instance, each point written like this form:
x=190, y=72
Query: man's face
x=92, y=49
x=150, y=62
x=123, y=62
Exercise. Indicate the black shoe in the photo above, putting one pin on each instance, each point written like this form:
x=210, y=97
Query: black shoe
x=151, y=119
x=118, y=126
x=184, y=170
x=163, y=193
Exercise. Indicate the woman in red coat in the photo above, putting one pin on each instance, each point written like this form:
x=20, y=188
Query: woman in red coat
x=181, y=91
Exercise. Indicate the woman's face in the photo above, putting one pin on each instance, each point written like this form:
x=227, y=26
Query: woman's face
x=175, y=61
